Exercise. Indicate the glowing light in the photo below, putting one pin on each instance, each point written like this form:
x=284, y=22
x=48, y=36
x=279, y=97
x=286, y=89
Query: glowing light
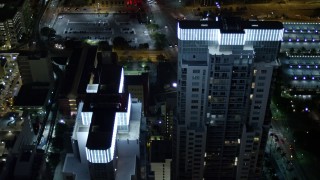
x=121, y=81
x=92, y=88
x=86, y=117
x=230, y=38
x=236, y=161
x=62, y=121
x=105, y=155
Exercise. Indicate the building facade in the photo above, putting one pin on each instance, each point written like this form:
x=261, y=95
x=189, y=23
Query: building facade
x=225, y=70
x=77, y=75
x=15, y=20
x=106, y=136
x=35, y=69
x=138, y=87
x=160, y=159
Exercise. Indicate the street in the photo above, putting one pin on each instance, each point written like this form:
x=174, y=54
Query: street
x=281, y=147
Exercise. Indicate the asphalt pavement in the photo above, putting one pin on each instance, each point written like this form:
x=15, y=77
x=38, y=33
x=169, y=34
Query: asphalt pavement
x=98, y=26
x=281, y=145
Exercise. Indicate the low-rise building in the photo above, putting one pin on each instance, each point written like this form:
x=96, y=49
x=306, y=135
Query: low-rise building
x=138, y=87
x=35, y=67
x=160, y=159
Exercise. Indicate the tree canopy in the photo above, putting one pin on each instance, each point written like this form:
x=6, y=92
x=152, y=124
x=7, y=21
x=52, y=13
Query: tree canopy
x=152, y=27
x=160, y=40
x=120, y=43
x=104, y=45
x=49, y=32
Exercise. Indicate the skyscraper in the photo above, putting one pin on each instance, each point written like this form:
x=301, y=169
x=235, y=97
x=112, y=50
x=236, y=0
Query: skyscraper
x=225, y=72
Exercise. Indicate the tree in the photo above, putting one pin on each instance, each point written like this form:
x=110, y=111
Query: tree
x=54, y=159
x=130, y=58
x=144, y=46
x=60, y=129
x=57, y=143
x=104, y=45
x=114, y=58
x=160, y=40
x=303, y=49
x=299, y=51
x=152, y=27
x=160, y=58
x=147, y=68
x=120, y=43
x=24, y=38
x=2, y=42
x=48, y=32
x=313, y=51
x=291, y=50
x=72, y=43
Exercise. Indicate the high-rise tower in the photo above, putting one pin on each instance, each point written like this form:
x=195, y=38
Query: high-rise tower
x=225, y=72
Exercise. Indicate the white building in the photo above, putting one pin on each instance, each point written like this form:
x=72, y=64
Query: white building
x=225, y=71
x=105, y=139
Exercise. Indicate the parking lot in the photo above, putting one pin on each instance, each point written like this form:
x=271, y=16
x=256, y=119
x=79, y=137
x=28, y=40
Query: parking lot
x=297, y=35
x=96, y=26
